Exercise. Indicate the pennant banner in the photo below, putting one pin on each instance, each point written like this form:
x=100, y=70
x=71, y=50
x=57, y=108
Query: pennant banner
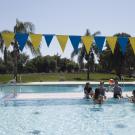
x=123, y=43
x=75, y=40
x=111, y=42
x=8, y=38
x=21, y=39
x=36, y=40
x=87, y=41
x=132, y=42
x=99, y=42
x=62, y=41
x=48, y=39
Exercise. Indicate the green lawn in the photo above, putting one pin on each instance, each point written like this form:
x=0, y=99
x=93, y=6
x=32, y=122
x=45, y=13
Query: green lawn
x=37, y=77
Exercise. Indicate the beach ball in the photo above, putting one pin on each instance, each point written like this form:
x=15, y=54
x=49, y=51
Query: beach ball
x=111, y=81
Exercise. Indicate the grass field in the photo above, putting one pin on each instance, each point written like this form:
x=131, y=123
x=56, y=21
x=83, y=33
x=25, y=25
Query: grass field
x=41, y=77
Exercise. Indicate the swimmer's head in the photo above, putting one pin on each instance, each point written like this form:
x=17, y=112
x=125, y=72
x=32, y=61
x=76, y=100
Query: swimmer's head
x=116, y=82
x=101, y=83
x=87, y=84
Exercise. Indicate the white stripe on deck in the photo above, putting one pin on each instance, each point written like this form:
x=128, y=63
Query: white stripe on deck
x=71, y=95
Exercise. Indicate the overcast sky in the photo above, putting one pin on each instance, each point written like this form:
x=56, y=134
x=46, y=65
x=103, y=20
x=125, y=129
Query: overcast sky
x=70, y=17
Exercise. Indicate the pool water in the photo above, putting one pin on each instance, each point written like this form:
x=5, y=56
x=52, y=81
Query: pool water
x=54, y=88
x=67, y=117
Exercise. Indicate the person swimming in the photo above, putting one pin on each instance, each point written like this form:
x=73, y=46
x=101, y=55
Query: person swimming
x=117, y=91
x=88, y=90
x=102, y=89
x=98, y=98
x=132, y=98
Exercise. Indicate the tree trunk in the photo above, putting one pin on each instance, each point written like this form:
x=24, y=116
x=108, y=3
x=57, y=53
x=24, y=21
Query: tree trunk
x=5, y=56
x=15, y=69
x=88, y=69
x=15, y=55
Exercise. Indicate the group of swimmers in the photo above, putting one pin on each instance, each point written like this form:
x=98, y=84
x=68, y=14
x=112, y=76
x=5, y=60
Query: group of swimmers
x=99, y=95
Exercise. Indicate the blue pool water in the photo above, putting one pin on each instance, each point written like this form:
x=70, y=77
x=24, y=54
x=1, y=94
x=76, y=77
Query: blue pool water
x=66, y=117
x=54, y=88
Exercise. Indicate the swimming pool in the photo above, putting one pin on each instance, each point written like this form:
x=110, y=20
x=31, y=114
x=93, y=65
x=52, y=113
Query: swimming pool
x=66, y=116
x=54, y=88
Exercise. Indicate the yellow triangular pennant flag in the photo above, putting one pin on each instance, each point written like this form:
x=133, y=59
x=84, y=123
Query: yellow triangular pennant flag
x=132, y=42
x=112, y=42
x=62, y=39
x=36, y=40
x=87, y=41
x=8, y=38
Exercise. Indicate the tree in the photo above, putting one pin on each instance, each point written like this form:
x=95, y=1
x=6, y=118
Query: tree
x=38, y=63
x=76, y=67
x=63, y=64
x=53, y=65
x=2, y=67
x=30, y=67
x=22, y=27
x=23, y=58
x=82, y=54
x=118, y=62
x=46, y=63
x=71, y=66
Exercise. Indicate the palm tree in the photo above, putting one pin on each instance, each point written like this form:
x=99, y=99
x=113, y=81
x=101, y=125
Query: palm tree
x=82, y=54
x=22, y=27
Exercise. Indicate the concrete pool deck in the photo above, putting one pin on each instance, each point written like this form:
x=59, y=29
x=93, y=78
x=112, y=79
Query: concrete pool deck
x=69, y=83
x=70, y=95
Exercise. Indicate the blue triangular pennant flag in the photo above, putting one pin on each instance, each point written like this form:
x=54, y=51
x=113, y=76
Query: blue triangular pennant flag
x=99, y=42
x=123, y=43
x=48, y=38
x=21, y=39
x=75, y=40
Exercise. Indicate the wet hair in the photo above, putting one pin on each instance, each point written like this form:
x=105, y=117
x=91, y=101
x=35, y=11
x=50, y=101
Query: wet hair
x=87, y=84
x=101, y=82
x=116, y=81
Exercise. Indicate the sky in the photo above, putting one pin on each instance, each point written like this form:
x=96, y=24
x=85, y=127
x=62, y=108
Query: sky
x=69, y=17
